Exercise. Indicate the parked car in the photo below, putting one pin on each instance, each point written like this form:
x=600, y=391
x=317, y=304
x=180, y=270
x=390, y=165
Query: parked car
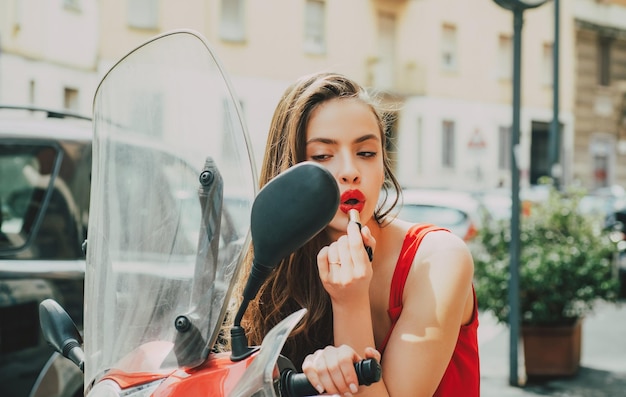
x=45, y=181
x=458, y=211
x=45, y=165
x=495, y=204
x=609, y=203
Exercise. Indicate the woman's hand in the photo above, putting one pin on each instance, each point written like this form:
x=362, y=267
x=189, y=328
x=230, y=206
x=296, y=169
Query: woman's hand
x=331, y=370
x=344, y=266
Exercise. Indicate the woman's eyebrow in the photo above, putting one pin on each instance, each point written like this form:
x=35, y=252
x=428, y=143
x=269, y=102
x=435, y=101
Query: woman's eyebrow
x=330, y=141
x=327, y=141
x=366, y=138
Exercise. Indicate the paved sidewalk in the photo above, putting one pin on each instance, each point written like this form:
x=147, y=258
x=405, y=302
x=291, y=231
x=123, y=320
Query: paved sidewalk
x=603, y=361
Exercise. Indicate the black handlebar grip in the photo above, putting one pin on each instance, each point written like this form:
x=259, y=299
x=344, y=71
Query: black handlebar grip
x=368, y=371
x=293, y=384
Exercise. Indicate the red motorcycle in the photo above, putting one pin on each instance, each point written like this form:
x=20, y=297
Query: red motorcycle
x=173, y=211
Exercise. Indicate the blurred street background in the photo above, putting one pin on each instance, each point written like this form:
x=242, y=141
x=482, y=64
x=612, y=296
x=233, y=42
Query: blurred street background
x=603, y=360
x=444, y=71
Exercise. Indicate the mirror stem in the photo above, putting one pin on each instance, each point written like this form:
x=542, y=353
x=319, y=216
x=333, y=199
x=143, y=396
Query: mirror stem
x=238, y=340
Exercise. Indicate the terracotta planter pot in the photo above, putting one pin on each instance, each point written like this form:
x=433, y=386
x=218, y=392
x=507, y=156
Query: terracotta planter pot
x=552, y=351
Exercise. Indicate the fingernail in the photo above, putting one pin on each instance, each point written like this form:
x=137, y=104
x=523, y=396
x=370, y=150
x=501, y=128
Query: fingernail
x=354, y=388
x=319, y=388
x=347, y=394
x=370, y=254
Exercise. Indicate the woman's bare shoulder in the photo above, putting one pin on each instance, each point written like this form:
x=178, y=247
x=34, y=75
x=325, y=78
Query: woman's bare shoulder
x=444, y=252
x=440, y=246
x=444, y=240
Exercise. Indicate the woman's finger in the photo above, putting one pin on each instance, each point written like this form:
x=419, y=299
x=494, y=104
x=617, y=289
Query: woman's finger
x=370, y=352
x=322, y=263
x=335, y=263
x=308, y=368
x=368, y=238
x=346, y=359
x=331, y=370
x=324, y=370
x=335, y=382
x=356, y=244
x=345, y=254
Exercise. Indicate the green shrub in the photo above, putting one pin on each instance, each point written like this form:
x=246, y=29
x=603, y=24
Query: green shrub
x=566, y=262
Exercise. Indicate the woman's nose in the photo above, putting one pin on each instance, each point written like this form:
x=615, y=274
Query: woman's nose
x=348, y=172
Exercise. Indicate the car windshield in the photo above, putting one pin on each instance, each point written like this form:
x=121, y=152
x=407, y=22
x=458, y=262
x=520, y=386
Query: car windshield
x=27, y=189
x=442, y=216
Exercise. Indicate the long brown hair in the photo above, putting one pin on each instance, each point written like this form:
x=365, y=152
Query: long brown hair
x=295, y=283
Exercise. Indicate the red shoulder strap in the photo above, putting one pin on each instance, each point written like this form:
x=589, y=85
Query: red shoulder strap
x=411, y=243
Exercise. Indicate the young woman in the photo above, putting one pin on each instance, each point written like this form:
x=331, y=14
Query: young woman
x=412, y=307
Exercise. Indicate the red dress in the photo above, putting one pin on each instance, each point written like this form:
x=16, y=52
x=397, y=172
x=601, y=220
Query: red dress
x=462, y=377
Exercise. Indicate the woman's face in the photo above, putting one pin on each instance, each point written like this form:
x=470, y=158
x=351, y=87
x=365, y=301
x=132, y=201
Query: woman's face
x=343, y=135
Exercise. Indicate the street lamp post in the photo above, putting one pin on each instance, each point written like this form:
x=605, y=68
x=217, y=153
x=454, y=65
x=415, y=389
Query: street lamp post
x=517, y=7
x=553, y=157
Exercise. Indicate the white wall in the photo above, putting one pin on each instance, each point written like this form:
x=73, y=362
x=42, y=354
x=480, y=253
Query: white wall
x=419, y=153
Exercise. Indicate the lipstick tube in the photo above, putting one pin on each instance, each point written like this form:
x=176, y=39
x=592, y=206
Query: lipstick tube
x=356, y=218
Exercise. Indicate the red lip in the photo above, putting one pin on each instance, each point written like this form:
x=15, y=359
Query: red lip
x=356, y=198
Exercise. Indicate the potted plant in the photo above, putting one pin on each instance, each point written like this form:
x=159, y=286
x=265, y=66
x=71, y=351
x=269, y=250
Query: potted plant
x=566, y=265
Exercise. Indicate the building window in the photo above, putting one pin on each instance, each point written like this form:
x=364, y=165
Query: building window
x=448, y=144
x=232, y=21
x=600, y=170
x=143, y=14
x=73, y=5
x=547, y=64
x=385, y=67
x=602, y=150
x=315, y=27
x=504, y=148
x=31, y=92
x=18, y=16
x=449, y=61
x=604, y=61
x=70, y=99
x=505, y=57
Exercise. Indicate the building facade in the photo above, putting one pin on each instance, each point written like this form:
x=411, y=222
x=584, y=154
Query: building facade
x=442, y=67
x=600, y=104
x=48, y=53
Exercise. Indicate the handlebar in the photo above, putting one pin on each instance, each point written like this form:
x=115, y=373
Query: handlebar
x=294, y=384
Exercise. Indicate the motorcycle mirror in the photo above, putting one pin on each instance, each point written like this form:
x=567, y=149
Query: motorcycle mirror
x=60, y=331
x=288, y=211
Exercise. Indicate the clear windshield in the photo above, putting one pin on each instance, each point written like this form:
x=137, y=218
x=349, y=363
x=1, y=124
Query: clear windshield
x=172, y=186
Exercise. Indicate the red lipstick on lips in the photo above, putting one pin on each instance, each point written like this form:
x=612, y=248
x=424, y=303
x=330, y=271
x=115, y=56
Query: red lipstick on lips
x=352, y=199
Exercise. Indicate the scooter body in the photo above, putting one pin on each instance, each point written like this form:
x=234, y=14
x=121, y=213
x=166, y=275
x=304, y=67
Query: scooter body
x=258, y=375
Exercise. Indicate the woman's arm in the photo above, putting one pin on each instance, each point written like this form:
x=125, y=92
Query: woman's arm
x=437, y=300
x=346, y=273
x=435, y=305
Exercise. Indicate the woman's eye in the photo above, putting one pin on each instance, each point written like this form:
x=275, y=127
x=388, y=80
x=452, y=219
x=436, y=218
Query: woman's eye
x=367, y=154
x=320, y=157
